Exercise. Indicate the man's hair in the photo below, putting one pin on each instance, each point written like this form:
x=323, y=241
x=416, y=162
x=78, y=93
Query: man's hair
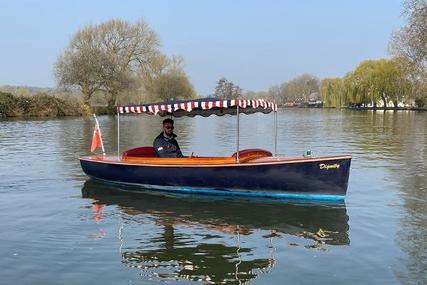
x=167, y=121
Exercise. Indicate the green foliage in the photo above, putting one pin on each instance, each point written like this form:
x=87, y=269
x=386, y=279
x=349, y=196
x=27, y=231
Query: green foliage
x=40, y=105
x=164, y=79
x=420, y=102
x=372, y=81
x=8, y=104
x=333, y=92
x=172, y=86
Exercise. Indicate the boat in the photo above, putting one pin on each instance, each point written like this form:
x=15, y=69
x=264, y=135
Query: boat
x=248, y=173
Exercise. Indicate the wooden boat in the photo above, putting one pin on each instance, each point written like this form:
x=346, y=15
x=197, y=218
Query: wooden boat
x=249, y=172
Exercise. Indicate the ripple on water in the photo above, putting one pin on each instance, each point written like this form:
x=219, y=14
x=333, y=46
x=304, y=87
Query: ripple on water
x=52, y=221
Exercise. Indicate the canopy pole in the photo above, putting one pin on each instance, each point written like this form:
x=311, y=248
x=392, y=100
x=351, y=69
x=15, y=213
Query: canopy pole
x=118, y=134
x=238, y=133
x=275, y=133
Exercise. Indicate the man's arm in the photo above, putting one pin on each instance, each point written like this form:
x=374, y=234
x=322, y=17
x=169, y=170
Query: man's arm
x=162, y=149
x=179, y=153
x=159, y=147
x=178, y=149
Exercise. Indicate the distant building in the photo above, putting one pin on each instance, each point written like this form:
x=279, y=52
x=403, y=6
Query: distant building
x=315, y=100
x=312, y=100
x=289, y=104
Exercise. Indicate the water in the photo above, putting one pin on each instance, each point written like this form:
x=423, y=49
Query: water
x=57, y=227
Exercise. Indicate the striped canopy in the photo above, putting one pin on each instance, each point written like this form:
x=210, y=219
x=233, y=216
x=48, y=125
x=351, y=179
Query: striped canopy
x=203, y=107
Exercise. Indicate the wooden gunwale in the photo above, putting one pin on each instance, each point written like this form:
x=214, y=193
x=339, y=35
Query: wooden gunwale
x=207, y=161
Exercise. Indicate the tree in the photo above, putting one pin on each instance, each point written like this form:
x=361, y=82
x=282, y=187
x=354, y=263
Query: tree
x=274, y=93
x=375, y=80
x=80, y=67
x=410, y=43
x=164, y=78
x=360, y=85
x=332, y=91
x=106, y=57
x=172, y=86
x=411, y=40
x=227, y=90
x=397, y=85
x=299, y=88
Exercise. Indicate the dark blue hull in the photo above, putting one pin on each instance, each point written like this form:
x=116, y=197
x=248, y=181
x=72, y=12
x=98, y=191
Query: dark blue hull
x=319, y=178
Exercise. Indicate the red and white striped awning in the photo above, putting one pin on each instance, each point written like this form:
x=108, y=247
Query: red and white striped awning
x=203, y=107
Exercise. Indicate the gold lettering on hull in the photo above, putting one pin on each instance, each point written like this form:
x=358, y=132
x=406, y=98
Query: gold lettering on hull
x=329, y=166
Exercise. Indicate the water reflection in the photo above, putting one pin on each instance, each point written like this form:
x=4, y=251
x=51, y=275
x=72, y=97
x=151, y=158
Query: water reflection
x=203, y=238
x=386, y=201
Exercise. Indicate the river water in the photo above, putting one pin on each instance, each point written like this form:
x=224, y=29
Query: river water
x=58, y=227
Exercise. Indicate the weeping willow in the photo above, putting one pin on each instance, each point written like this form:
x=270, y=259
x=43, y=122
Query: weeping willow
x=373, y=81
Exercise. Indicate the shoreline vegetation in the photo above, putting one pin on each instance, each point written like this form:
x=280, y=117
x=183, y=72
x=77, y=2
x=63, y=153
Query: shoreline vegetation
x=44, y=105
x=47, y=105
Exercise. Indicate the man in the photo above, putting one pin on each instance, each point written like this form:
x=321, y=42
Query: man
x=165, y=144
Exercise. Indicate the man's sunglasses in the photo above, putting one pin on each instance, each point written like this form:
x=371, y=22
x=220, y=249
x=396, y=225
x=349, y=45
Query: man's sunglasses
x=169, y=128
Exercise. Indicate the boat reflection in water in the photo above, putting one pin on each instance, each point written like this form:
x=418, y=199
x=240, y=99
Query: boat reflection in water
x=219, y=240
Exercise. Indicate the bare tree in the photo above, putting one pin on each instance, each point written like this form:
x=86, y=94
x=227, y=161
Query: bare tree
x=299, y=88
x=80, y=66
x=410, y=43
x=411, y=40
x=106, y=57
x=227, y=90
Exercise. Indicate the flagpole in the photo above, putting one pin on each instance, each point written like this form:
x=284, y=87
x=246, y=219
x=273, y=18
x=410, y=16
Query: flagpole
x=118, y=134
x=238, y=132
x=100, y=134
x=275, y=131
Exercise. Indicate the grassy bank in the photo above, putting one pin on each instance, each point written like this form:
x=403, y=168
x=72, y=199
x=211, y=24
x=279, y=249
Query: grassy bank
x=43, y=105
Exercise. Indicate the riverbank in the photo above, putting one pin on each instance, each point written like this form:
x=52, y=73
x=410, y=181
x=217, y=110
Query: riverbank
x=358, y=108
x=44, y=105
x=387, y=108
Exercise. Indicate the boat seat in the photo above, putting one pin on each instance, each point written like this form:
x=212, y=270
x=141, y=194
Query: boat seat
x=143, y=151
x=249, y=154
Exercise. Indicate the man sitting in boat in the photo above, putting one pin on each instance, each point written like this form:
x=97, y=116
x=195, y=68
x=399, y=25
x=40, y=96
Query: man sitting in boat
x=165, y=144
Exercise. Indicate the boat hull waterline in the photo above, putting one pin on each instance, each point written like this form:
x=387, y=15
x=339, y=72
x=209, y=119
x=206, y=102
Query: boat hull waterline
x=321, y=178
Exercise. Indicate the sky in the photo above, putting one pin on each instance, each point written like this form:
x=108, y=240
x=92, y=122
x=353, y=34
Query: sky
x=256, y=44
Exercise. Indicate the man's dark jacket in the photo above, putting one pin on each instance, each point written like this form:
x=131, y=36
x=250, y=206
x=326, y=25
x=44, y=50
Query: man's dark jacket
x=167, y=147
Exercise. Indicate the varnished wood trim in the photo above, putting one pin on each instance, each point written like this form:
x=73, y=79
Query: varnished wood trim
x=271, y=161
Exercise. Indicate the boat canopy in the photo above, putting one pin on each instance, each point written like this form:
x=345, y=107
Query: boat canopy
x=203, y=107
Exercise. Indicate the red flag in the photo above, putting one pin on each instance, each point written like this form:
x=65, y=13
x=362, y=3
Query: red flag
x=96, y=139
